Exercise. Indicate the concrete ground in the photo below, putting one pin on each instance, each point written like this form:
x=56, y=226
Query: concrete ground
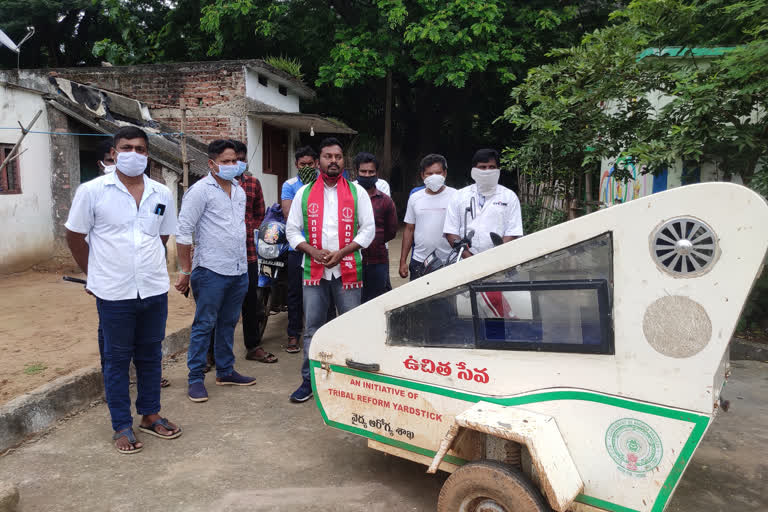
x=250, y=449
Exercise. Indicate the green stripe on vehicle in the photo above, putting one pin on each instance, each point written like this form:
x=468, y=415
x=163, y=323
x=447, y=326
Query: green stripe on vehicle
x=700, y=423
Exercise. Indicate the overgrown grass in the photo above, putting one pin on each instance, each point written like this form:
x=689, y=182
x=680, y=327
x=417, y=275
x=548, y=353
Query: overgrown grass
x=287, y=64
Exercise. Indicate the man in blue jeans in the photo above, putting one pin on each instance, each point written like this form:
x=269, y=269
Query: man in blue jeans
x=330, y=221
x=127, y=218
x=213, y=211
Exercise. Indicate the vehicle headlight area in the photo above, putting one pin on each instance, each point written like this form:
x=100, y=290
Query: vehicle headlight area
x=268, y=251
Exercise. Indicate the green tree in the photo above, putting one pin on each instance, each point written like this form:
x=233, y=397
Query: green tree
x=449, y=63
x=593, y=100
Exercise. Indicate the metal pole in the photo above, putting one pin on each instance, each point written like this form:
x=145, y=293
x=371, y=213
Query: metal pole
x=184, y=161
x=24, y=132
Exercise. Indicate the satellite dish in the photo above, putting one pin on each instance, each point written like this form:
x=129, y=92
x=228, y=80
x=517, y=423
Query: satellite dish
x=7, y=41
x=16, y=48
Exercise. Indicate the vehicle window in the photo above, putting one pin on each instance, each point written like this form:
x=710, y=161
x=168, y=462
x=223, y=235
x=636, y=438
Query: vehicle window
x=559, y=302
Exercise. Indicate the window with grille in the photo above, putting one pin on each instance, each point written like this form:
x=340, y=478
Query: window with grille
x=10, y=182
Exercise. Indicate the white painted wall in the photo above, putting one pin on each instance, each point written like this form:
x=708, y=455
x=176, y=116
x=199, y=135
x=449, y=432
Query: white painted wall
x=270, y=93
x=26, y=235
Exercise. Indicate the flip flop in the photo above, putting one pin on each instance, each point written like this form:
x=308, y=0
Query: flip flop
x=127, y=433
x=164, y=383
x=293, y=348
x=163, y=422
x=268, y=357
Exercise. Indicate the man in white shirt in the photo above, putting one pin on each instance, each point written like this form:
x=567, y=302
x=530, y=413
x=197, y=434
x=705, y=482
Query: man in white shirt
x=213, y=212
x=321, y=224
x=425, y=217
x=127, y=218
x=493, y=207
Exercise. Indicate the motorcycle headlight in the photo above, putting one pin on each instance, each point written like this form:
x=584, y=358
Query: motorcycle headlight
x=268, y=251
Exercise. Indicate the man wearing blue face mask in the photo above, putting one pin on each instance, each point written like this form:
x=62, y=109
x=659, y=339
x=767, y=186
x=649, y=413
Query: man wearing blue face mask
x=213, y=211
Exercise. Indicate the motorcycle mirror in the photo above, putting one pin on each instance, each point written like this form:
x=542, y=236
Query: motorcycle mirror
x=496, y=239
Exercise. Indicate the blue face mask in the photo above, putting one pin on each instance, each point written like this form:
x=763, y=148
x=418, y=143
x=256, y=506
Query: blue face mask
x=242, y=166
x=228, y=172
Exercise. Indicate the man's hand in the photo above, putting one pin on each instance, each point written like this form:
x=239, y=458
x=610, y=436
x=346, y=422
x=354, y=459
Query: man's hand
x=403, y=269
x=466, y=254
x=182, y=283
x=320, y=255
x=333, y=259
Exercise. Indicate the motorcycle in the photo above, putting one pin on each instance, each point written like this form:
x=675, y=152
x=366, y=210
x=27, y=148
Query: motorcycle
x=272, y=249
x=433, y=261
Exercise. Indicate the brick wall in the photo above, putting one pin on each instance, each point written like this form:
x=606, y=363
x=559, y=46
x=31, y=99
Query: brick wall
x=214, y=94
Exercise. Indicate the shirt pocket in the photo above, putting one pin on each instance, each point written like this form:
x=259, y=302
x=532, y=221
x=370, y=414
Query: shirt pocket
x=150, y=224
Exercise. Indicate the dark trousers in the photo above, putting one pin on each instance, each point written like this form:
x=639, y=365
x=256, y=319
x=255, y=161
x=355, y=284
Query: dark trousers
x=375, y=280
x=133, y=329
x=253, y=310
x=101, y=344
x=414, y=267
x=295, y=299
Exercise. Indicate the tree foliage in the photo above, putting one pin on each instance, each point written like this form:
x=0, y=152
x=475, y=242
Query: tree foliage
x=452, y=61
x=598, y=99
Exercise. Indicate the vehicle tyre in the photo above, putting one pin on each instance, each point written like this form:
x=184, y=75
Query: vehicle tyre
x=262, y=295
x=489, y=486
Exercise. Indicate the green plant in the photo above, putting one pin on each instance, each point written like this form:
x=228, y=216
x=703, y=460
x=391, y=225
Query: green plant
x=286, y=64
x=34, y=368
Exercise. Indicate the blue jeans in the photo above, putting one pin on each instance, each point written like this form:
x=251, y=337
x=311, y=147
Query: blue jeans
x=218, y=301
x=375, y=280
x=133, y=329
x=317, y=300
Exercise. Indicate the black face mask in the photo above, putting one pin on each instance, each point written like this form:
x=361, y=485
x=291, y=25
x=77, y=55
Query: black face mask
x=367, y=182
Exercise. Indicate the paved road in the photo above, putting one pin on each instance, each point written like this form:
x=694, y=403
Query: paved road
x=249, y=449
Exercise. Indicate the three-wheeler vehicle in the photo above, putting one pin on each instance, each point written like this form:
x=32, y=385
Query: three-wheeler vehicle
x=574, y=369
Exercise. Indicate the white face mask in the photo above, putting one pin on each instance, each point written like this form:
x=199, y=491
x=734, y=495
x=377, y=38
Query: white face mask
x=486, y=180
x=434, y=182
x=107, y=169
x=131, y=163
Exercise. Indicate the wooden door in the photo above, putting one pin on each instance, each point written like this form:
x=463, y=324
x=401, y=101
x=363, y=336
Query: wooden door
x=276, y=154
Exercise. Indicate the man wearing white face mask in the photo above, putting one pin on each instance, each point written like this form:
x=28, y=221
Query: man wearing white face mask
x=127, y=218
x=494, y=208
x=425, y=217
x=213, y=211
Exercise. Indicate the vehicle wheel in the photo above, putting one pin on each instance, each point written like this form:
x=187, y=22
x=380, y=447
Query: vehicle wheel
x=489, y=486
x=262, y=295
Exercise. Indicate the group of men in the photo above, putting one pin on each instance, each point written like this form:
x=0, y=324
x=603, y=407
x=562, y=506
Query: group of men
x=337, y=229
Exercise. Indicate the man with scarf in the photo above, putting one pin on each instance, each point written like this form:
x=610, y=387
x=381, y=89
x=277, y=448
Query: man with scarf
x=494, y=208
x=330, y=222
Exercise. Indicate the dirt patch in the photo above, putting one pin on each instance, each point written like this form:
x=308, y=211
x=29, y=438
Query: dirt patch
x=49, y=329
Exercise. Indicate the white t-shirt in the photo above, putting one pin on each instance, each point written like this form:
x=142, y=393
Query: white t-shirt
x=499, y=214
x=126, y=257
x=427, y=213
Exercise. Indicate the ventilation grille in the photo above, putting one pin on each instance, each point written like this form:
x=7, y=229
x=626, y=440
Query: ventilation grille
x=684, y=246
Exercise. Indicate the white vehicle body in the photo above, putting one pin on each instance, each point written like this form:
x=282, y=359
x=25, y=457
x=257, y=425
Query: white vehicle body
x=612, y=343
